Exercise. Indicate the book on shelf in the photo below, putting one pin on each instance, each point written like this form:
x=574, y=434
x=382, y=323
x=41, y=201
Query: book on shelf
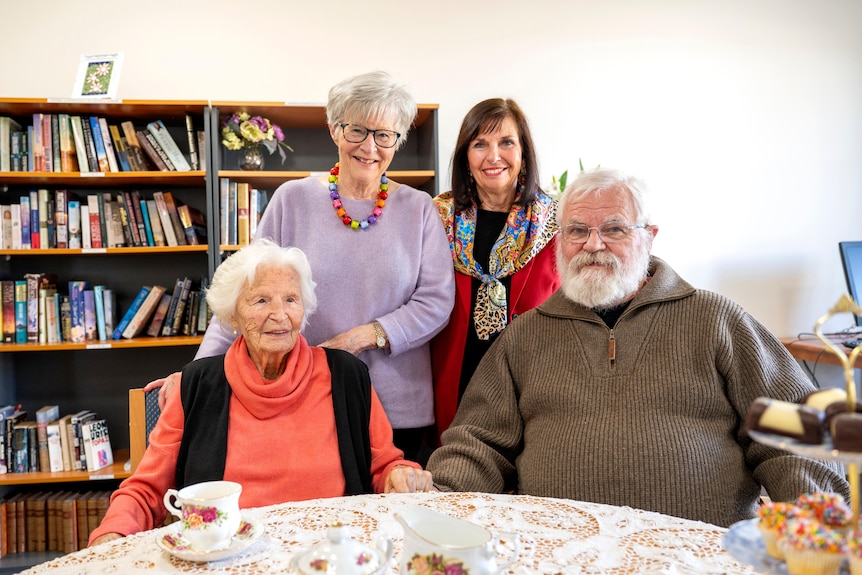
x=90, y=144
x=158, y=319
x=7, y=292
x=74, y=223
x=194, y=226
x=182, y=304
x=77, y=305
x=171, y=205
x=68, y=150
x=156, y=224
x=5, y=227
x=55, y=448
x=224, y=210
x=36, y=148
x=202, y=149
x=204, y=313
x=13, y=419
x=5, y=412
x=95, y=224
x=65, y=318
x=79, y=460
x=65, y=445
x=145, y=218
x=21, y=445
x=99, y=145
x=113, y=221
x=44, y=199
x=20, y=311
x=109, y=145
x=25, y=222
x=145, y=312
x=125, y=220
x=154, y=154
x=242, y=213
x=119, y=148
x=47, y=144
x=8, y=126
x=47, y=329
x=19, y=152
x=110, y=313
x=61, y=217
x=90, y=331
x=193, y=142
x=160, y=132
x=45, y=415
x=35, y=242
x=133, y=147
x=86, y=233
x=165, y=219
x=99, y=301
x=54, y=138
x=80, y=147
x=134, y=198
x=97, y=444
x=103, y=213
x=130, y=313
x=15, y=217
x=168, y=324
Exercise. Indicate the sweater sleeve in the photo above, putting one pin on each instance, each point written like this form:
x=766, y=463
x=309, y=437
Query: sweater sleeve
x=420, y=318
x=138, y=503
x=760, y=365
x=217, y=340
x=479, y=449
x=384, y=455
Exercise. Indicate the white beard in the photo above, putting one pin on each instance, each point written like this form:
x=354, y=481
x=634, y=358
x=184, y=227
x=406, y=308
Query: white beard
x=608, y=286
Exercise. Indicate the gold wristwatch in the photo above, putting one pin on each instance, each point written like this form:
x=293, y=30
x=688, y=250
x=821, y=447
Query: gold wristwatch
x=381, y=337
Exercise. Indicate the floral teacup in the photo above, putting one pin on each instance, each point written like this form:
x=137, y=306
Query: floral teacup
x=209, y=513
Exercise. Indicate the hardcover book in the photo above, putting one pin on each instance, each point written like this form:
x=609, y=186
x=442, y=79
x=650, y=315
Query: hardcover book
x=194, y=226
x=99, y=300
x=8, y=296
x=156, y=224
x=45, y=415
x=99, y=144
x=159, y=315
x=7, y=127
x=68, y=154
x=90, y=330
x=55, y=448
x=171, y=205
x=119, y=148
x=90, y=145
x=133, y=148
x=25, y=222
x=80, y=147
x=165, y=219
x=154, y=154
x=20, y=311
x=109, y=145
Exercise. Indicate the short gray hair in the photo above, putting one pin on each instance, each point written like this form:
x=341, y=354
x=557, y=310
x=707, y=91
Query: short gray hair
x=238, y=271
x=595, y=182
x=371, y=96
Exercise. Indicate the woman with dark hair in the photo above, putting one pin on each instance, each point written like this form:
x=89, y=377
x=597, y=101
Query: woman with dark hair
x=501, y=228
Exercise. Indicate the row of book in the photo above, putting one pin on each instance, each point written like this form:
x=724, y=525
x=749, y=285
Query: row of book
x=43, y=219
x=33, y=311
x=73, y=143
x=159, y=311
x=240, y=209
x=58, y=521
x=50, y=443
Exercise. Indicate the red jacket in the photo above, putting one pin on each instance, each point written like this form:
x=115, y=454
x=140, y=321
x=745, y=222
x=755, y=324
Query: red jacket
x=530, y=286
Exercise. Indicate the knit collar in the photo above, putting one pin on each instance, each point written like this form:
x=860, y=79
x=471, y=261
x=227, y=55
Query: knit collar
x=267, y=398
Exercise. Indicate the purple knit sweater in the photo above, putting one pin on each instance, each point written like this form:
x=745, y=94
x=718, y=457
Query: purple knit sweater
x=398, y=271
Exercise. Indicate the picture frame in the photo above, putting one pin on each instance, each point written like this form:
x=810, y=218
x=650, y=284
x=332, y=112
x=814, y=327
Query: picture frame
x=98, y=76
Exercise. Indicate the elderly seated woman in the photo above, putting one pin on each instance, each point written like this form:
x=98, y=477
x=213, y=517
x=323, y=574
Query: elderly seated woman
x=287, y=420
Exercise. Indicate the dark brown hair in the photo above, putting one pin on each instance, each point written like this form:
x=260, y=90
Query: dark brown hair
x=485, y=117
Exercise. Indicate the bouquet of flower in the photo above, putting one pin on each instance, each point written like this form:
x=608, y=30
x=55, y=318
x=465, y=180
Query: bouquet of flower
x=242, y=130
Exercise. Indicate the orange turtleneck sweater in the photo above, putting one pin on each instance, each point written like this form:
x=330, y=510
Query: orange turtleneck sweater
x=282, y=443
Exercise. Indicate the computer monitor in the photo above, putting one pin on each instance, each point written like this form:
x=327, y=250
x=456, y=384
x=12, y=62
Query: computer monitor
x=851, y=259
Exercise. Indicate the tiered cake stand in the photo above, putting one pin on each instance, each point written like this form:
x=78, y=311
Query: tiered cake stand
x=740, y=535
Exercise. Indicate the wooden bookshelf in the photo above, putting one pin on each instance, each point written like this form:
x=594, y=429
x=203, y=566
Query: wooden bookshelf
x=117, y=470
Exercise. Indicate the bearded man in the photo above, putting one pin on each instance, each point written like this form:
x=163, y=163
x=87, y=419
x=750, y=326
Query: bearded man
x=628, y=386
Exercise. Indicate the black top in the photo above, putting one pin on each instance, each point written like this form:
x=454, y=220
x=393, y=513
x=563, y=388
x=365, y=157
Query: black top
x=489, y=225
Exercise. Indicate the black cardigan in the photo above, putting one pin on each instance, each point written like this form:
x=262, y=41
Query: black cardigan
x=206, y=393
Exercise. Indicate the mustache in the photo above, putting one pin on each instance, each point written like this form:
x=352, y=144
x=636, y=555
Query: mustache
x=584, y=259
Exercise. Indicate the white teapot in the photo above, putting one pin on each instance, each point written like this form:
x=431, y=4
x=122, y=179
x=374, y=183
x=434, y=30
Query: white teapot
x=436, y=542
x=341, y=555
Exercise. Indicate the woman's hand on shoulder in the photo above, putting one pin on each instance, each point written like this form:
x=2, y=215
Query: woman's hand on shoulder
x=406, y=479
x=354, y=340
x=164, y=385
x=105, y=538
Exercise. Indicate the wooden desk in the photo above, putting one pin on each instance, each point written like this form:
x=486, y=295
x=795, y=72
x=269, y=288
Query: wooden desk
x=809, y=348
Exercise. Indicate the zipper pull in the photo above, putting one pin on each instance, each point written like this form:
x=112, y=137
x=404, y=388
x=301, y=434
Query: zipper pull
x=612, y=347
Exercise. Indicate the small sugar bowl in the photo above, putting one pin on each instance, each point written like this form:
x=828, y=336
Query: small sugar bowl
x=341, y=555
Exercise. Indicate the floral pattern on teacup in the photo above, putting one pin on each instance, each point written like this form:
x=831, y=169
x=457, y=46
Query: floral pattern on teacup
x=433, y=564
x=200, y=517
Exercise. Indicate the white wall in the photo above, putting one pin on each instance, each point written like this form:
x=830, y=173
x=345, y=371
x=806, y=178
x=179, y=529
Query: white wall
x=744, y=116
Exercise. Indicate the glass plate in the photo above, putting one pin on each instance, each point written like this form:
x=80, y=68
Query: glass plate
x=744, y=542
x=172, y=541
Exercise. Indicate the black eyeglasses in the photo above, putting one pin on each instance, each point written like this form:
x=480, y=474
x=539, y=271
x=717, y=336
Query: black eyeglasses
x=609, y=232
x=356, y=134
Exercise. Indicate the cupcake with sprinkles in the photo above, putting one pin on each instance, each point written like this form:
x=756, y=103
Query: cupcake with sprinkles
x=773, y=516
x=854, y=552
x=811, y=548
x=829, y=508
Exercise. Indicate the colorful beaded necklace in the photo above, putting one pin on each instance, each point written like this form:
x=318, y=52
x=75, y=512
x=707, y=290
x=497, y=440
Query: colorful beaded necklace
x=342, y=213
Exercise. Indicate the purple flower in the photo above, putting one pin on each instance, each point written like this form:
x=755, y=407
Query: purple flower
x=209, y=514
x=279, y=135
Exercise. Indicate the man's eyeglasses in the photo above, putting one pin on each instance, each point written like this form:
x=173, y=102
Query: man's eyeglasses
x=356, y=134
x=609, y=232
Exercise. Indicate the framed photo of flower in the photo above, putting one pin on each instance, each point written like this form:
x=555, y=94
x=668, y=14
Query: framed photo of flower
x=98, y=76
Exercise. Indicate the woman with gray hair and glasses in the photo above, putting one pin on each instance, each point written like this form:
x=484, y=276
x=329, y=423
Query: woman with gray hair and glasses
x=378, y=250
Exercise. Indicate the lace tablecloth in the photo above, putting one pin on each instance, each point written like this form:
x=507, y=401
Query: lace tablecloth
x=558, y=536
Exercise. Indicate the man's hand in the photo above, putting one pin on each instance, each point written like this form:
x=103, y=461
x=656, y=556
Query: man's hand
x=164, y=385
x=406, y=479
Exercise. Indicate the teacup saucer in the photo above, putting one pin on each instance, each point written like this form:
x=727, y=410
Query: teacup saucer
x=171, y=540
